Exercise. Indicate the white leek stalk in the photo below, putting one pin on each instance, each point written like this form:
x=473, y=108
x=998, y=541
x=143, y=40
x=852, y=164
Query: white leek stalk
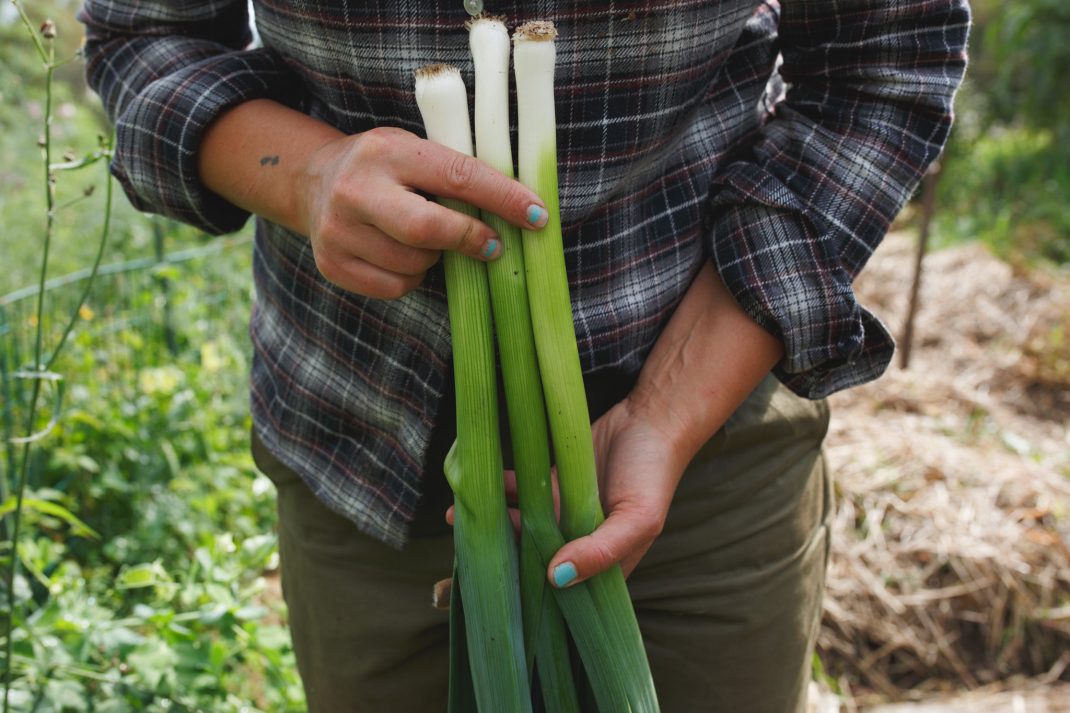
x=485, y=551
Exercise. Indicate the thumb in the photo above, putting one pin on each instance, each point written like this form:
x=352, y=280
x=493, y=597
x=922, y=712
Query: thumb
x=623, y=538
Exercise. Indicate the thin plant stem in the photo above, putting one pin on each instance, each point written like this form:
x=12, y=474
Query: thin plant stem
x=31, y=419
x=50, y=215
x=41, y=51
x=105, y=227
x=73, y=201
x=7, y=396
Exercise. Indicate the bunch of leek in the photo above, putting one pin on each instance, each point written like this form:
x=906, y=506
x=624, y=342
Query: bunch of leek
x=540, y=367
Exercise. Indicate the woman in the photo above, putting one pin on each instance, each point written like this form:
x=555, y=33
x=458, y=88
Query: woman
x=712, y=226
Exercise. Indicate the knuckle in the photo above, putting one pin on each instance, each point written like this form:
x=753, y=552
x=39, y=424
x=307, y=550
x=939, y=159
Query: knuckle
x=426, y=260
x=469, y=236
x=416, y=262
x=332, y=237
x=645, y=525
x=328, y=267
x=513, y=198
x=650, y=527
x=603, y=554
x=338, y=194
x=329, y=232
x=345, y=196
x=391, y=132
x=460, y=173
x=421, y=229
x=374, y=138
x=395, y=287
x=375, y=143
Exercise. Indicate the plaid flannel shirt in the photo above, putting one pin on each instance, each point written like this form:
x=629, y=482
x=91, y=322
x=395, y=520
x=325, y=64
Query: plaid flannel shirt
x=677, y=145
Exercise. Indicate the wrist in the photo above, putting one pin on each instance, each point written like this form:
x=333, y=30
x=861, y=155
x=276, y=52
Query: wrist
x=682, y=429
x=257, y=156
x=311, y=179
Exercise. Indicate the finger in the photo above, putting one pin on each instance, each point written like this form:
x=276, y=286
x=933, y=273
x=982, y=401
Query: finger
x=372, y=245
x=514, y=517
x=623, y=536
x=415, y=221
x=440, y=594
x=341, y=241
x=360, y=276
x=511, y=493
x=449, y=516
x=447, y=173
x=510, y=487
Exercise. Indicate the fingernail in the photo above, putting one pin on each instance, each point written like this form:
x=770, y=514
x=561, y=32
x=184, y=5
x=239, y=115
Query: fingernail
x=490, y=250
x=564, y=574
x=537, y=215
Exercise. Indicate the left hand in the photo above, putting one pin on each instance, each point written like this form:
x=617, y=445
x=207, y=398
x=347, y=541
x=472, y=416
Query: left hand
x=639, y=467
x=706, y=361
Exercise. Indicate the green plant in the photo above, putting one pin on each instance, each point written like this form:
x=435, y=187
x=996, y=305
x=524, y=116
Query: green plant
x=1007, y=166
x=145, y=547
x=40, y=373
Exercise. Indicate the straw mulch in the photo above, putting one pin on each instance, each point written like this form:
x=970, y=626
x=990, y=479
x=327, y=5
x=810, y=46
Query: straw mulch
x=951, y=559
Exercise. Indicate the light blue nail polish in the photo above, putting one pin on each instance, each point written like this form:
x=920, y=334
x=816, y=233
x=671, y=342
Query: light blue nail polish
x=564, y=574
x=490, y=248
x=537, y=215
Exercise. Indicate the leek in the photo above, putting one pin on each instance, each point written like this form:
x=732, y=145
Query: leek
x=483, y=539
x=559, y=363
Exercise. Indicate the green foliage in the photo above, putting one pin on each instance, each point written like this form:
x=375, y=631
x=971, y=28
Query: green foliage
x=1008, y=188
x=1007, y=168
x=151, y=529
x=78, y=120
x=1024, y=52
x=147, y=539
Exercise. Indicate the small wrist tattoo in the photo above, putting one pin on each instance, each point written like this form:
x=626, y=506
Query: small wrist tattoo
x=269, y=160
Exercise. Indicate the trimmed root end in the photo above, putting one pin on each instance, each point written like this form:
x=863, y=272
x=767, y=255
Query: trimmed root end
x=430, y=71
x=484, y=17
x=440, y=596
x=535, y=31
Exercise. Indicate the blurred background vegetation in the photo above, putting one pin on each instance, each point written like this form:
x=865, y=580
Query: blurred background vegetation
x=148, y=559
x=148, y=555
x=1007, y=178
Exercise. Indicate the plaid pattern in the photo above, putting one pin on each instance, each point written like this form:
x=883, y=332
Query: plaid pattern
x=678, y=143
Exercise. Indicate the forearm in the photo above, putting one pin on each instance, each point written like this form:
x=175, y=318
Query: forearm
x=256, y=156
x=709, y=357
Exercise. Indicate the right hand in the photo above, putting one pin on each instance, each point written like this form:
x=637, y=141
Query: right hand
x=373, y=234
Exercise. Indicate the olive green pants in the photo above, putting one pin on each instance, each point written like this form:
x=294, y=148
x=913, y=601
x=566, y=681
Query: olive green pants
x=728, y=598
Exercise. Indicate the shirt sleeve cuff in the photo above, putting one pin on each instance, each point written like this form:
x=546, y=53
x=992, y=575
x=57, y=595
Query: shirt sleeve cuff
x=158, y=134
x=783, y=269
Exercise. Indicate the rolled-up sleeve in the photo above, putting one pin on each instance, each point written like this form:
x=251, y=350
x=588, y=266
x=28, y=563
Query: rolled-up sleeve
x=164, y=71
x=796, y=215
